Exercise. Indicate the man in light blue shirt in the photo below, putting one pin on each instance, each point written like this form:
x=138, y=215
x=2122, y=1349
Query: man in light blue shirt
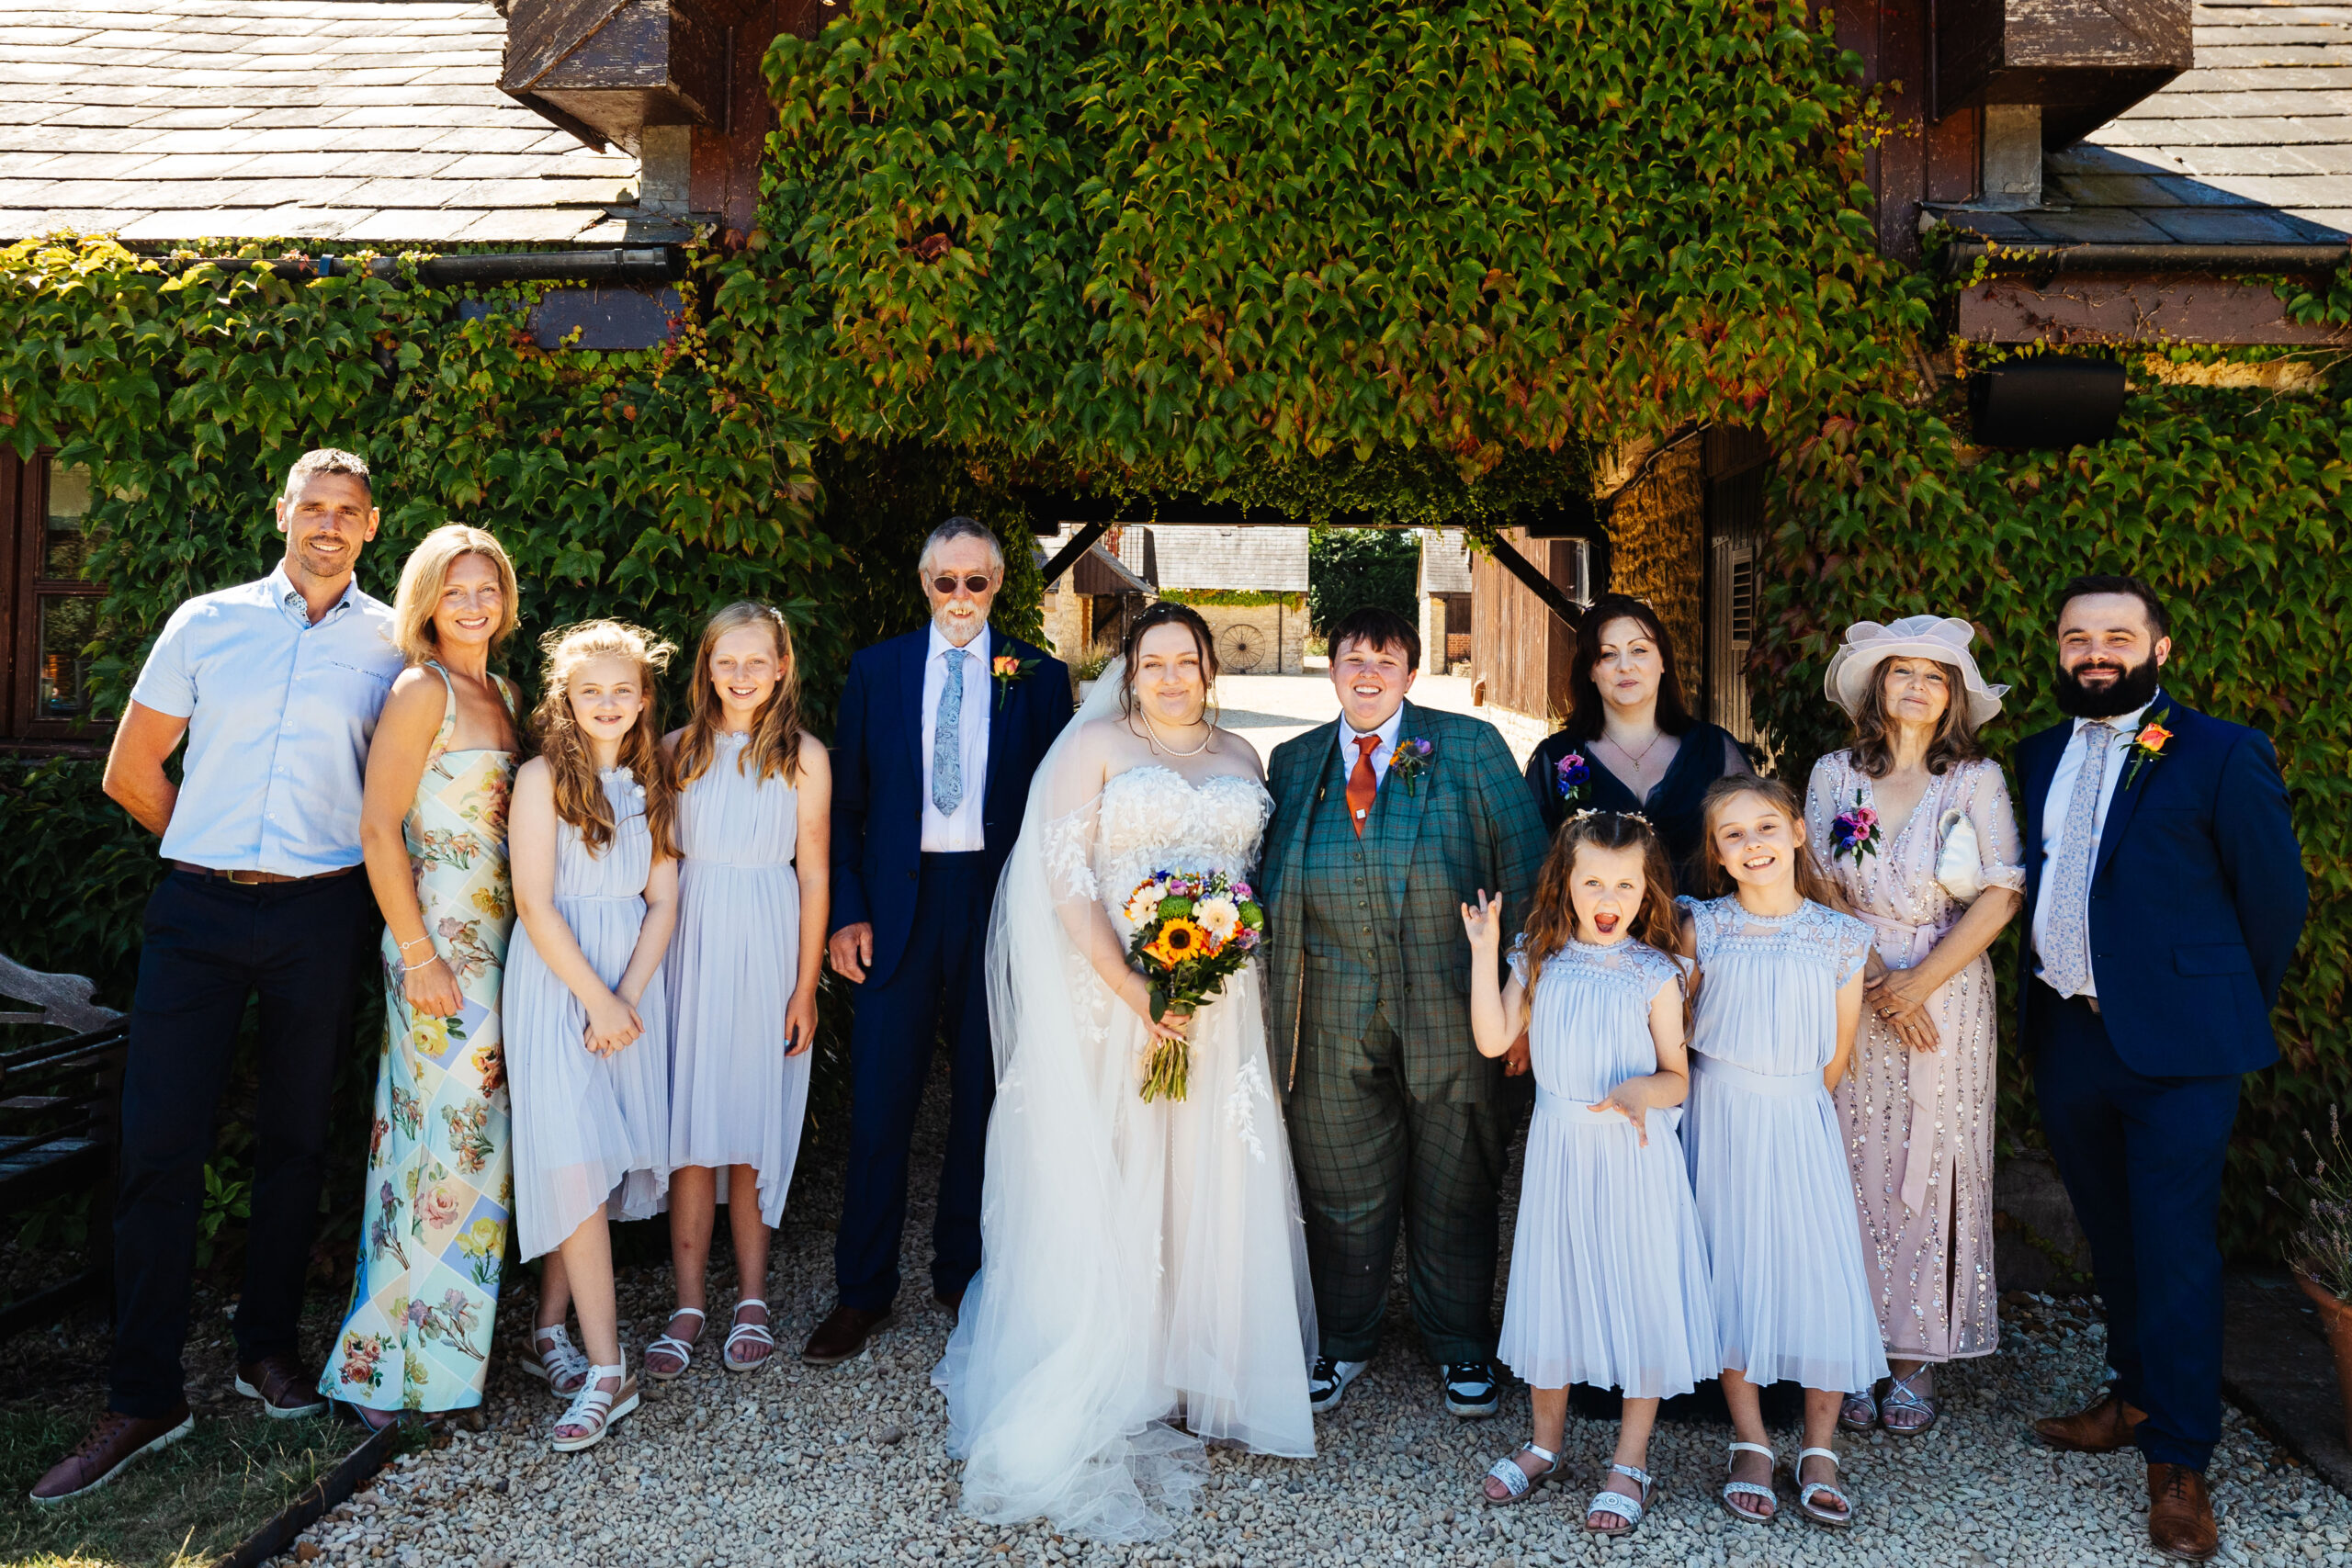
x=275, y=686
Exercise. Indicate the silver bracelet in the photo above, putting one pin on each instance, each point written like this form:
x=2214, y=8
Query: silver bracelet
x=414, y=940
x=407, y=969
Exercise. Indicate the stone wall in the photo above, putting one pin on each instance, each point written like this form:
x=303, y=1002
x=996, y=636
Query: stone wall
x=1277, y=631
x=1658, y=543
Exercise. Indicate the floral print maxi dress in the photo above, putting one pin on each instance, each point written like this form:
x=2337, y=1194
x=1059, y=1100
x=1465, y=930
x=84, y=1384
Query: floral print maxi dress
x=1920, y=1124
x=440, y=1188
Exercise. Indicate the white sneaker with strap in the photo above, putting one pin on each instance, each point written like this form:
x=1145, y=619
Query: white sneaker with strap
x=1750, y=1489
x=1614, y=1499
x=747, y=1333
x=595, y=1407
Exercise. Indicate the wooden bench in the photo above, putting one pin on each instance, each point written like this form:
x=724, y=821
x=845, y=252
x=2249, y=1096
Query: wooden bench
x=60, y=1108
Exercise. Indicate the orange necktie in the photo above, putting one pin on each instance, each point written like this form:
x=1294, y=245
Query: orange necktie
x=1362, y=783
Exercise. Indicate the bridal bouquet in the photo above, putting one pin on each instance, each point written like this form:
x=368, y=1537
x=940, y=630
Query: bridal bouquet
x=1193, y=929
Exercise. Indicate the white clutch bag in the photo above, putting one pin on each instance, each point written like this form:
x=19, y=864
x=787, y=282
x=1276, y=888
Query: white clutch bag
x=1960, y=862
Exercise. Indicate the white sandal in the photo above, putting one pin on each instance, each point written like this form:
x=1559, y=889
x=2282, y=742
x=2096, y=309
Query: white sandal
x=668, y=1344
x=596, y=1409
x=1749, y=1489
x=750, y=1333
x=1806, y=1491
x=1625, y=1506
x=1514, y=1477
x=556, y=1361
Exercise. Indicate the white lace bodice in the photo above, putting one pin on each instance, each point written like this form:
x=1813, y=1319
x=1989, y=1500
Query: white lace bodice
x=1153, y=819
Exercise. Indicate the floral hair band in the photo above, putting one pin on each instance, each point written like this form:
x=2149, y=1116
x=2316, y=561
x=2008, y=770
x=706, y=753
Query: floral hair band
x=1595, y=811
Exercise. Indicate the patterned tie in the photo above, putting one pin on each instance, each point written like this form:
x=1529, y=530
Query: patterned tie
x=2066, y=960
x=947, y=738
x=1363, y=783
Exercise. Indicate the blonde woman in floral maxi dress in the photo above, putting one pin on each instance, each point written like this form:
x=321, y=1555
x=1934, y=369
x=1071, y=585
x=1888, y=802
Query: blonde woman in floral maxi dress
x=1914, y=824
x=439, y=1191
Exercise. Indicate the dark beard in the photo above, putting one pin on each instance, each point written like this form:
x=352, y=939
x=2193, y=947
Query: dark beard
x=2133, y=689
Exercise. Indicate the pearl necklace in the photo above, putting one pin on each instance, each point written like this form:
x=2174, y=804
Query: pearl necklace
x=1172, y=751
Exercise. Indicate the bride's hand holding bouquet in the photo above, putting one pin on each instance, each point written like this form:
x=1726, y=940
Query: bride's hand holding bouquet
x=1193, y=930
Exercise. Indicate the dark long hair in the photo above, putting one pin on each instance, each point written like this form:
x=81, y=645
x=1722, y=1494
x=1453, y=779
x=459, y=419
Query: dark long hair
x=1585, y=714
x=1167, y=612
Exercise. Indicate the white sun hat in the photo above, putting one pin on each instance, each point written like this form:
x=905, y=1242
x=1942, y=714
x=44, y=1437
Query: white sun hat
x=1943, y=638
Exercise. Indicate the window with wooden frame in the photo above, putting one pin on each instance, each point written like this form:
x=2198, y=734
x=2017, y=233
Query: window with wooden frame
x=50, y=605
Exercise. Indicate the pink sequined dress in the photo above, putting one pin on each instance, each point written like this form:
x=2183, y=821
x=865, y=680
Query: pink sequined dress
x=1920, y=1124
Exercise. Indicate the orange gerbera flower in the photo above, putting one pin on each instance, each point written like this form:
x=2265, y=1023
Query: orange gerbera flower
x=1180, y=939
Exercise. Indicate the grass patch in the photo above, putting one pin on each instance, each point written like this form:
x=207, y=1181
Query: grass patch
x=184, y=1507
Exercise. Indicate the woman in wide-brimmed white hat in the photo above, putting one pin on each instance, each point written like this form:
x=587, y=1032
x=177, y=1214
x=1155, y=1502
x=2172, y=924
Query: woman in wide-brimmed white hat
x=1914, y=824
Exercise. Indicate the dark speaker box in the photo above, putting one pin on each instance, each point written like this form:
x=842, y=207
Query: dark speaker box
x=2049, y=402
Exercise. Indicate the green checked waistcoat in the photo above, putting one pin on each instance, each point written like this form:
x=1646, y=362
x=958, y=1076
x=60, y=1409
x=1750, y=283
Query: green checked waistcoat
x=1357, y=925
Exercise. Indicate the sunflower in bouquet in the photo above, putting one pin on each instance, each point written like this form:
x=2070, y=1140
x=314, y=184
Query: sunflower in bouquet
x=1193, y=929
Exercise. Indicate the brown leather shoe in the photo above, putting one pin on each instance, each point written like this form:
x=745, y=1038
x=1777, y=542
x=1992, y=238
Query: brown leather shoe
x=2180, y=1514
x=841, y=1335
x=112, y=1443
x=282, y=1385
x=2103, y=1429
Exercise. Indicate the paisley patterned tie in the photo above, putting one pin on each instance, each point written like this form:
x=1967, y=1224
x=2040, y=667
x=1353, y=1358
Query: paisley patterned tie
x=947, y=738
x=2066, y=957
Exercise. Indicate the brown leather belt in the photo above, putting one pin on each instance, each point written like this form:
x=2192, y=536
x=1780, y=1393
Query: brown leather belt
x=258, y=878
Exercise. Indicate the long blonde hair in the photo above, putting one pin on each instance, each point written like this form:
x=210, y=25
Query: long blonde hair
x=426, y=572
x=775, y=729
x=579, y=797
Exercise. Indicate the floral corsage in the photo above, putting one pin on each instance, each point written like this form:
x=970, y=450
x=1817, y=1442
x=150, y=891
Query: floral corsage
x=1573, y=776
x=1855, y=831
x=2147, y=748
x=1410, y=761
x=1007, y=668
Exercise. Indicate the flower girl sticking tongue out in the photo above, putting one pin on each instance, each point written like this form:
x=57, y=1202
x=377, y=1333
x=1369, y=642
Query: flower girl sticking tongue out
x=1778, y=998
x=596, y=888
x=1608, y=1282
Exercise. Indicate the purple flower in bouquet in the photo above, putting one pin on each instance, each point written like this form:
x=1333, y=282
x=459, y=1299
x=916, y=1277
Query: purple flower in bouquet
x=1855, y=831
x=1573, y=775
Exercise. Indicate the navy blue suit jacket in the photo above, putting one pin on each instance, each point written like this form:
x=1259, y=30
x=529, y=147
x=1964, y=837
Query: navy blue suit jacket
x=2197, y=899
x=880, y=776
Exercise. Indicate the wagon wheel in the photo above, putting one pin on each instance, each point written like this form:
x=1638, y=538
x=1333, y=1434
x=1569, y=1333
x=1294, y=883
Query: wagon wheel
x=1240, y=646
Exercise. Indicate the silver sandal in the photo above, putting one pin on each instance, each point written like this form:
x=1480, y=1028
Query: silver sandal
x=748, y=1334
x=1611, y=1500
x=1514, y=1476
x=668, y=1344
x=1859, y=1411
x=1901, y=1395
x=1807, y=1490
x=556, y=1361
x=1749, y=1489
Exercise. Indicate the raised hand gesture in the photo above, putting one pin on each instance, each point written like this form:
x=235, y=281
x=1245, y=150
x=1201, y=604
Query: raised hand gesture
x=1483, y=925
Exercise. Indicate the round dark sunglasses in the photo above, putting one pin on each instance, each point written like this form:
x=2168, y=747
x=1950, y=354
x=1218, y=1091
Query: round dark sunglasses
x=976, y=584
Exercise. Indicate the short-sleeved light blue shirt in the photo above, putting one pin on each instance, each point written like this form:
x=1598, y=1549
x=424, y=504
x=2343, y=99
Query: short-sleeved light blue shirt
x=279, y=716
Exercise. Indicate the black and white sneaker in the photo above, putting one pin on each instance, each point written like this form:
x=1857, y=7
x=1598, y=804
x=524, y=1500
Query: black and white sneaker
x=1471, y=1390
x=1328, y=1380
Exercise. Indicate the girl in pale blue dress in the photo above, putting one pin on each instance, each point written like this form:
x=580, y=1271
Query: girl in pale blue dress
x=596, y=888
x=754, y=823
x=1608, y=1282
x=1778, y=999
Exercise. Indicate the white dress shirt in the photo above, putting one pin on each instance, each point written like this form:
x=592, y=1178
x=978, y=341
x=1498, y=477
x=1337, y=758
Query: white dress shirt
x=1350, y=735
x=963, y=831
x=2061, y=795
x=280, y=712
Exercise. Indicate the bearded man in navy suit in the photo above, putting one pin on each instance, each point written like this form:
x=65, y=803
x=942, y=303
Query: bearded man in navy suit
x=940, y=733
x=2167, y=893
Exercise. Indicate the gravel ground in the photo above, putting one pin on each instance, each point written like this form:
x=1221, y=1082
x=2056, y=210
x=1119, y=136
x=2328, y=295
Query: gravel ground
x=797, y=1465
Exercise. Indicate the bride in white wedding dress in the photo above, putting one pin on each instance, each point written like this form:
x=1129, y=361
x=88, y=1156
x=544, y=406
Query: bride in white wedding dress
x=1142, y=1287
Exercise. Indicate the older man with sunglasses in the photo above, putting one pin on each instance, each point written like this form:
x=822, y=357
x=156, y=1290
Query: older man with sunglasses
x=940, y=731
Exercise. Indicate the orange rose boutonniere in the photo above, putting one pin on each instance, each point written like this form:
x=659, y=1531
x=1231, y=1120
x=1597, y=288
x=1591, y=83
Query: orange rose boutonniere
x=2147, y=748
x=1005, y=668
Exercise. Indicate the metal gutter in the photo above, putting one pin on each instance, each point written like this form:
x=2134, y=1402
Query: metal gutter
x=650, y=264
x=2051, y=256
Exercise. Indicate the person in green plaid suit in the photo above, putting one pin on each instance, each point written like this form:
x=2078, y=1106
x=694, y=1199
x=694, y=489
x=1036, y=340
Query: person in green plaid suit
x=1385, y=824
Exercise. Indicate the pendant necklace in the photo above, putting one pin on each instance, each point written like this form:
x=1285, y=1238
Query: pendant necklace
x=1637, y=761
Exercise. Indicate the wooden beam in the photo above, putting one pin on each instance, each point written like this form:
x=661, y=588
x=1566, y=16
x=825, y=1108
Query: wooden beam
x=1069, y=554
x=2136, y=309
x=1542, y=587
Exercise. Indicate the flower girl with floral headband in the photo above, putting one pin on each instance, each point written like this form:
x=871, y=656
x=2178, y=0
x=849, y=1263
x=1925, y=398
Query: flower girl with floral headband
x=596, y=887
x=1608, y=1282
